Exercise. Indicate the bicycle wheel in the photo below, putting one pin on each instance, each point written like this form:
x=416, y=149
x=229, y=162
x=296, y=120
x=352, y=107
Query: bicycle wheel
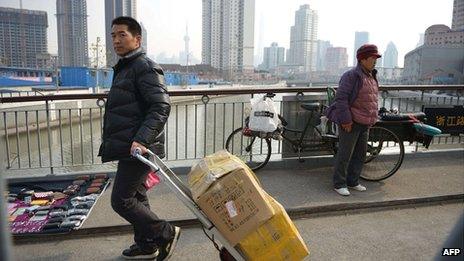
x=385, y=153
x=252, y=150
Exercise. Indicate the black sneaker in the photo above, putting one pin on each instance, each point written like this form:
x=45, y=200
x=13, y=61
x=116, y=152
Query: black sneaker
x=165, y=250
x=136, y=252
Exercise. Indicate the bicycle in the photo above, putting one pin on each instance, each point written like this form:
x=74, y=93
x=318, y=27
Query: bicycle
x=385, y=150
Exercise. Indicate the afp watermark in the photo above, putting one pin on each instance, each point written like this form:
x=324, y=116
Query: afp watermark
x=451, y=252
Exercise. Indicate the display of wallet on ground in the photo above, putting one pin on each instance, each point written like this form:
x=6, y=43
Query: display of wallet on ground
x=53, y=206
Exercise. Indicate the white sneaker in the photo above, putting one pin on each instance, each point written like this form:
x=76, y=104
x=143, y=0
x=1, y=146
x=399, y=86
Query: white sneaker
x=342, y=191
x=359, y=187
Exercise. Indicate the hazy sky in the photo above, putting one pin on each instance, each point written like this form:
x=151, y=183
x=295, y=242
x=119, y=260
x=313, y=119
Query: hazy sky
x=399, y=21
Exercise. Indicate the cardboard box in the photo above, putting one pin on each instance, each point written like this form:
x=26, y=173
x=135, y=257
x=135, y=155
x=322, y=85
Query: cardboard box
x=233, y=200
x=276, y=239
x=210, y=169
x=236, y=205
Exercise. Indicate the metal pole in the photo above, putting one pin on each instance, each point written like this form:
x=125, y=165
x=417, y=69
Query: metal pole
x=97, y=50
x=5, y=238
x=50, y=153
x=57, y=84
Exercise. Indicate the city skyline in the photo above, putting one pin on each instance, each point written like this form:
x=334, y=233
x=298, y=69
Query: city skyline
x=336, y=25
x=228, y=36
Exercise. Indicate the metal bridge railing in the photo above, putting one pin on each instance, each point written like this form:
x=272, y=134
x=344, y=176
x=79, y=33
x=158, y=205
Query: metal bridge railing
x=64, y=134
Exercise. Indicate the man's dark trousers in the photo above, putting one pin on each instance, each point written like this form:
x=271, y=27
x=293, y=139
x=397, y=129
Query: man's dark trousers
x=129, y=200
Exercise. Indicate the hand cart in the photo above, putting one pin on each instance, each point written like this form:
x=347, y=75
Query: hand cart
x=184, y=195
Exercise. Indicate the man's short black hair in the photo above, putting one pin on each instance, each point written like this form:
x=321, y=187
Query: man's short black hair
x=132, y=25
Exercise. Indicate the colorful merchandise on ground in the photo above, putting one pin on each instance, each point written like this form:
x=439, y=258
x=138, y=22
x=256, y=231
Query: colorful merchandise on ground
x=52, y=206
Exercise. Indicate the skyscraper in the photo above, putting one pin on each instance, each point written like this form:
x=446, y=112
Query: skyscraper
x=442, y=35
x=228, y=36
x=113, y=9
x=303, y=39
x=273, y=56
x=71, y=16
x=390, y=57
x=23, y=37
x=438, y=60
x=336, y=59
x=187, y=45
x=360, y=38
x=144, y=38
x=458, y=15
x=321, y=51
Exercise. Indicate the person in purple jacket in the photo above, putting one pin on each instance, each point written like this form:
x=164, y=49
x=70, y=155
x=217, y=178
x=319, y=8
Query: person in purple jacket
x=354, y=110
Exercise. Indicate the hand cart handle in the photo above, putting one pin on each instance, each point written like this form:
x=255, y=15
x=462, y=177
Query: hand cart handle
x=184, y=195
x=175, y=184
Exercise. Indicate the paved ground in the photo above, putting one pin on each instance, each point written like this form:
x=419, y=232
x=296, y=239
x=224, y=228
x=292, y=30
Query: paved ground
x=410, y=233
x=421, y=175
x=401, y=234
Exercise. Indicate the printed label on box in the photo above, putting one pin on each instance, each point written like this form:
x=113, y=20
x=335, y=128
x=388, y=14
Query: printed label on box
x=231, y=210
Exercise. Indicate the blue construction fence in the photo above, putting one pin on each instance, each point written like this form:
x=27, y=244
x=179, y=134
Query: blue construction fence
x=178, y=78
x=12, y=82
x=87, y=77
x=17, y=77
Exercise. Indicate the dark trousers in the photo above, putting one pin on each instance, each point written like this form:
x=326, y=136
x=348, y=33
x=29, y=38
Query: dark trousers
x=349, y=161
x=129, y=200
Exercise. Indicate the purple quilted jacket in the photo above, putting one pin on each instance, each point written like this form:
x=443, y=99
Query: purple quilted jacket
x=347, y=92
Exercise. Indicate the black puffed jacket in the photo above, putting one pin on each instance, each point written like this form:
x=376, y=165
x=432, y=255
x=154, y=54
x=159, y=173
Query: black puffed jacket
x=137, y=108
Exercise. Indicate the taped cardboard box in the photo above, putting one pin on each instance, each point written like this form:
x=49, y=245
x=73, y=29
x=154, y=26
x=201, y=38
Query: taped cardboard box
x=277, y=239
x=233, y=199
x=210, y=169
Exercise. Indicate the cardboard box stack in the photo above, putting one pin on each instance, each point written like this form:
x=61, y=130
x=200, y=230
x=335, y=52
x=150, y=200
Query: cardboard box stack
x=229, y=193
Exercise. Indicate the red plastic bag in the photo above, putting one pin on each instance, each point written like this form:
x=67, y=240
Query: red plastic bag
x=152, y=180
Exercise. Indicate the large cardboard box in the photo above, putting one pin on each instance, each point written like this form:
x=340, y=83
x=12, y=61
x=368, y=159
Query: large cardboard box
x=276, y=239
x=233, y=200
x=209, y=169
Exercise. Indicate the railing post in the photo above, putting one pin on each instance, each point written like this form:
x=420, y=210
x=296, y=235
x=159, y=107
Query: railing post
x=205, y=99
x=416, y=149
x=7, y=143
x=50, y=153
x=5, y=238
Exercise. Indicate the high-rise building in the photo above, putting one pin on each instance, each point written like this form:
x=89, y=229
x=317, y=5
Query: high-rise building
x=303, y=39
x=439, y=60
x=442, y=35
x=113, y=9
x=71, y=16
x=273, y=56
x=336, y=59
x=185, y=57
x=144, y=38
x=458, y=15
x=23, y=39
x=187, y=45
x=390, y=56
x=360, y=38
x=321, y=51
x=228, y=36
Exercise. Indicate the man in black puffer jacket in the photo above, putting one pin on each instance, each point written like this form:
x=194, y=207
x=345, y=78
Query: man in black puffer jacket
x=136, y=111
